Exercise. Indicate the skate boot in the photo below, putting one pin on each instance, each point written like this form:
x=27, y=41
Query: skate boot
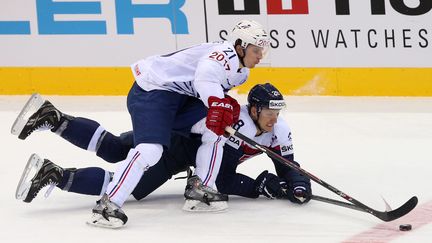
x=38, y=115
x=107, y=214
x=45, y=173
x=201, y=198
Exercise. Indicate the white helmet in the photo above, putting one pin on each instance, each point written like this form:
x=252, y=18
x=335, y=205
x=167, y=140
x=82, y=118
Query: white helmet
x=250, y=32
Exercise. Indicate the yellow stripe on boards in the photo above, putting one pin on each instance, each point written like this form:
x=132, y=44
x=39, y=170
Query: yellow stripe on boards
x=290, y=81
x=345, y=81
x=66, y=80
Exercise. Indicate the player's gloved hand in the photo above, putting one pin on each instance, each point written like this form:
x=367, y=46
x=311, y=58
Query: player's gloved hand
x=219, y=115
x=301, y=195
x=299, y=188
x=270, y=185
x=236, y=108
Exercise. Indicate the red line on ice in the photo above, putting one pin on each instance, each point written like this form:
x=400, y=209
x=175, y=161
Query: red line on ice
x=388, y=231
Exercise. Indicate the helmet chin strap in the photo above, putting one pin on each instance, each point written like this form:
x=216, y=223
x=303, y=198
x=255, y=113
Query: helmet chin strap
x=241, y=58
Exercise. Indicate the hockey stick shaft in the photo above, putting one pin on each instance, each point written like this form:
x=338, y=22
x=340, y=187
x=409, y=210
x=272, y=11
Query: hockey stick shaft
x=385, y=216
x=337, y=203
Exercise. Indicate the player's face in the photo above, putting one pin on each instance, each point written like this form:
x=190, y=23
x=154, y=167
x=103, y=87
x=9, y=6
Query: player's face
x=266, y=119
x=253, y=55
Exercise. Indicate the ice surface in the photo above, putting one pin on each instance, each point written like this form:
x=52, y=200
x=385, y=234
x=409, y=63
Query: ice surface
x=366, y=147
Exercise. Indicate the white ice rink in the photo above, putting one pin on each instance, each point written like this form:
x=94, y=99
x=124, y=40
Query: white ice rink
x=366, y=147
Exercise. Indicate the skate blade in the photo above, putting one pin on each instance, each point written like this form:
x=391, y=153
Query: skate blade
x=32, y=167
x=98, y=220
x=32, y=105
x=198, y=206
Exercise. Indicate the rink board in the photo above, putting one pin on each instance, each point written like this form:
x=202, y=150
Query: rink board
x=344, y=48
x=291, y=81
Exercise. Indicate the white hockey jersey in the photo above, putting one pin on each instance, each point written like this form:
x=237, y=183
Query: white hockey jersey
x=279, y=139
x=212, y=63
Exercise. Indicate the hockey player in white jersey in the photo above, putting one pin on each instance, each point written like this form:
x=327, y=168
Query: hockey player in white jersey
x=167, y=87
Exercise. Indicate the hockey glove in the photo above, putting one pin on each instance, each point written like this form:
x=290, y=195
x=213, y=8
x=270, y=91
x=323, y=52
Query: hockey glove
x=270, y=185
x=301, y=194
x=236, y=108
x=299, y=188
x=219, y=115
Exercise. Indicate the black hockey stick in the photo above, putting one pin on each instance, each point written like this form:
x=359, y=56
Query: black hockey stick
x=338, y=203
x=385, y=216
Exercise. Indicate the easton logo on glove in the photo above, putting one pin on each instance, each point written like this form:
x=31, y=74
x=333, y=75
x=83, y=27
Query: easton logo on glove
x=224, y=105
x=219, y=115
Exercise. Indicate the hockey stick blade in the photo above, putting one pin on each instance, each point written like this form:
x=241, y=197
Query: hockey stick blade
x=398, y=212
x=385, y=216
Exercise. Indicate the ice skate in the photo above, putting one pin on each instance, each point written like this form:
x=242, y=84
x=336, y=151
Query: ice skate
x=201, y=198
x=107, y=214
x=45, y=173
x=37, y=115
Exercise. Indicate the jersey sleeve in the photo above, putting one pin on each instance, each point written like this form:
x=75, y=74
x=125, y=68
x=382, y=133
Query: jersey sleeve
x=283, y=146
x=283, y=142
x=209, y=75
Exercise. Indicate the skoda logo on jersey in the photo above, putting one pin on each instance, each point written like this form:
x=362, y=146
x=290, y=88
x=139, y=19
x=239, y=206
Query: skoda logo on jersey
x=285, y=150
x=234, y=142
x=276, y=104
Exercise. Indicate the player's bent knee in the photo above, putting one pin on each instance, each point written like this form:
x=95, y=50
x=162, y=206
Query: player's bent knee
x=112, y=148
x=151, y=152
